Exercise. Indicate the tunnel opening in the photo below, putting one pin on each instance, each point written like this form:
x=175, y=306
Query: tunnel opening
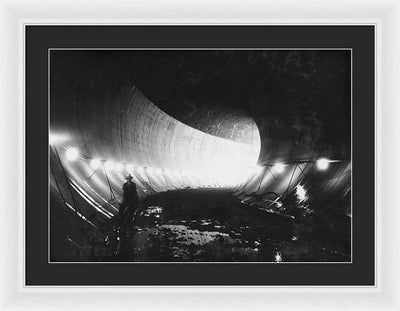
x=133, y=136
x=173, y=164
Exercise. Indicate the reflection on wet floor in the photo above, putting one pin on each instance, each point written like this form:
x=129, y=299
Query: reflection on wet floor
x=207, y=226
x=187, y=242
x=186, y=230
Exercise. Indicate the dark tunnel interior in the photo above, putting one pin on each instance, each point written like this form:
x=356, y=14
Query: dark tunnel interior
x=237, y=155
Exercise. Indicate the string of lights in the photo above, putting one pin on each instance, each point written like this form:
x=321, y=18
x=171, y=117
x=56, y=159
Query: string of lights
x=73, y=154
x=155, y=179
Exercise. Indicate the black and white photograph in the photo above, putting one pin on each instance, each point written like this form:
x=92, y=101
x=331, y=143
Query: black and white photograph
x=200, y=155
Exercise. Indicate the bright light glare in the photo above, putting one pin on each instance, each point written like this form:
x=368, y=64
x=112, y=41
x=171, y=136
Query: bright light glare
x=228, y=164
x=130, y=168
x=322, y=164
x=158, y=171
x=119, y=167
x=257, y=170
x=279, y=168
x=301, y=193
x=57, y=138
x=109, y=165
x=95, y=163
x=72, y=154
x=167, y=172
x=223, y=174
x=183, y=173
x=140, y=170
x=278, y=257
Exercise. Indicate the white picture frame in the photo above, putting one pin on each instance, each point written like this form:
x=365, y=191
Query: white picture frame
x=385, y=15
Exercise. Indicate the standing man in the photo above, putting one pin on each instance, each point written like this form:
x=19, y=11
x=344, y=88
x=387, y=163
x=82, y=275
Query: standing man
x=126, y=212
x=129, y=200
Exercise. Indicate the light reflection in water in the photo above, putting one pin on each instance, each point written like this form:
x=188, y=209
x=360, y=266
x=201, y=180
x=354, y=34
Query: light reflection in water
x=301, y=193
x=278, y=257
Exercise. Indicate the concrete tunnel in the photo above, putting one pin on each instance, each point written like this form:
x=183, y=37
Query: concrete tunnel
x=130, y=134
x=103, y=144
x=197, y=141
x=103, y=126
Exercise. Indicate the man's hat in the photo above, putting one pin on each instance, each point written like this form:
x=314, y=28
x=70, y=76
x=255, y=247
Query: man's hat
x=129, y=176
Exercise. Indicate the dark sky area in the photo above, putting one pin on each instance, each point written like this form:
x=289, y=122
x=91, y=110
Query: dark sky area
x=300, y=100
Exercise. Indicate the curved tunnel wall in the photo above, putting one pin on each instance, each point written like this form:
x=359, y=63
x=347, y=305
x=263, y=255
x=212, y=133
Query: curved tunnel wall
x=129, y=134
x=132, y=135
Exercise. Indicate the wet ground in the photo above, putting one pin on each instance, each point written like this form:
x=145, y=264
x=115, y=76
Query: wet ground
x=211, y=226
x=205, y=226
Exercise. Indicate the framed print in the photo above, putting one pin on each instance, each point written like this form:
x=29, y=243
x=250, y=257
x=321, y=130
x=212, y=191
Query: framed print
x=211, y=159
x=182, y=150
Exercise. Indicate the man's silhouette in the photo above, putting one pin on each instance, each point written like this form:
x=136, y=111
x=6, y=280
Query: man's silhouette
x=129, y=200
